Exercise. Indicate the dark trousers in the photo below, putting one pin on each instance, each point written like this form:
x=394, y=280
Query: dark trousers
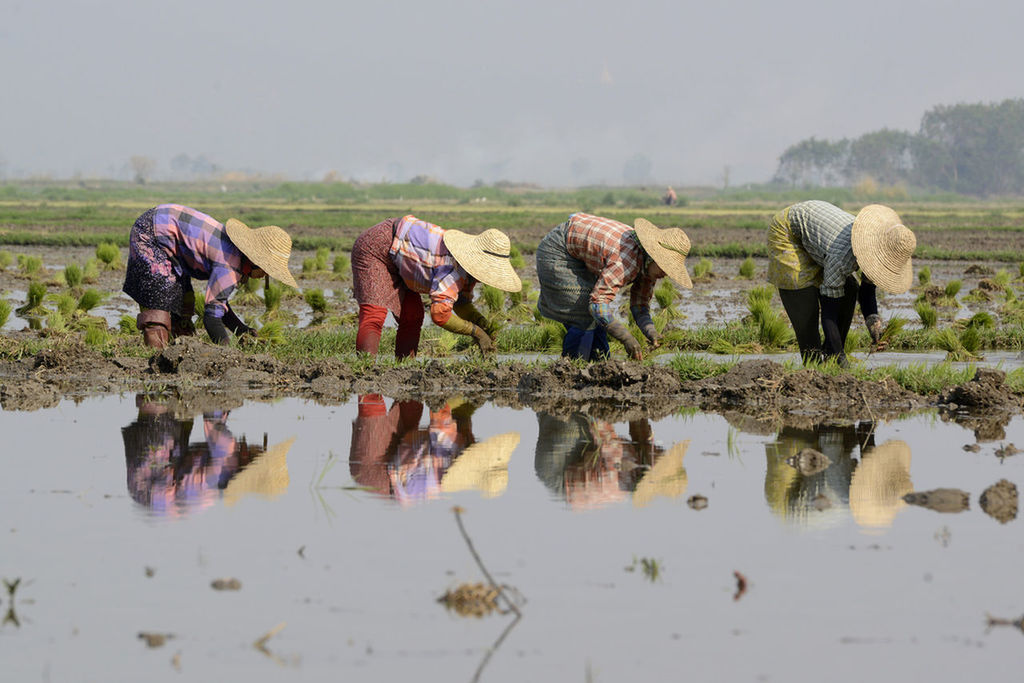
x=804, y=311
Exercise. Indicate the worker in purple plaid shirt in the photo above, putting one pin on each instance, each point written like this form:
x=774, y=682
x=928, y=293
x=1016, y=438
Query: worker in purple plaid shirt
x=171, y=244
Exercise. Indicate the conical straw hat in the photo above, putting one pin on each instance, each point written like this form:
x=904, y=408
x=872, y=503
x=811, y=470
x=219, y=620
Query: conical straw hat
x=266, y=475
x=879, y=483
x=668, y=247
x=666, y=478
x=268, y=247
x=487, y=257
x=883, y=247
x=482, y=467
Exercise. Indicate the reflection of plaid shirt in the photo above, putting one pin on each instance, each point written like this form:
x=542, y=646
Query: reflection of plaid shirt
x=201, y=249
x=611, y=251
x=825, y=232
x=426, y=266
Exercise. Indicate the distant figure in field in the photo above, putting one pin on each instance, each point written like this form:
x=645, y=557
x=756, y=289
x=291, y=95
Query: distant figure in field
x=397, y=260
x=814, y=250
x=583, y=263
x=670, y=197
x=171, y=244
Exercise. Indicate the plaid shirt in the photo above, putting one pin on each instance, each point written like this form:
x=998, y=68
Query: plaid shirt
x=611, y=251
x=824, y=231
x=199, y=248
x=425, y=266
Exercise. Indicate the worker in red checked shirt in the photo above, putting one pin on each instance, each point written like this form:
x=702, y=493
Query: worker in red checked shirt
x=583, y=263
x=171, y=244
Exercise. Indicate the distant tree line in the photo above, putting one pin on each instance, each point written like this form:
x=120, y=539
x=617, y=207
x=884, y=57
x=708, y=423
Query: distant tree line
x=975, y=149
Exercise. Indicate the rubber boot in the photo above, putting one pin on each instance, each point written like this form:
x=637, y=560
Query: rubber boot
x=155, y=326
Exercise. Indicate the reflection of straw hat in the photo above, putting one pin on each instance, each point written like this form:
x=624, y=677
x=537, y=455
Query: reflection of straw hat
x=666, y=478
x=266, y=475
x=487, y=257
x=482, y=467
x=879, y=483
x=268, y=247
x=883, y=247
x=668, y=247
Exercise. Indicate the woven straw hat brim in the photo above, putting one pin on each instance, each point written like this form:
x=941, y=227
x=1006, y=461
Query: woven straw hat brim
x=879, y=483
x=666, y=478
x=668, y=247
x=266, y=475
x=482, y=467
x=487, y=257
x=883, y=247
x=268, y=247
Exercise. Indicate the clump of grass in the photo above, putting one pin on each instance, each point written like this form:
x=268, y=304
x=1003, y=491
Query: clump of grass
x=519, y=303
x=272, y=294
x=516, y=259
x=893, y=326
x=30, y=265
x=89, y=300
x=126, y=324
x=109, y=255
x=759, y=294
x=96, y=336
x=272, y=332
x=341, y=265
x=91, y=271
x=56, y=322
x=773, y=328
x=927, y=313
x=691, y=367
x=248, y=291
x=322, y=255
x=1002, y=278
x=703, y=270
x=955, y=347
x=6, y=258
x=33, y=299
x=493, y=298
x=66, y=304
x=747, y=268
x=953, y=288
x=924, y=276
x=5, y=312
x=73, y=275
x=317, y=301
x=981, y=320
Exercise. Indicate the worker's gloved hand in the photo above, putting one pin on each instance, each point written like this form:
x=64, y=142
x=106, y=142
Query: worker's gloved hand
x=483, y=340
x=652, y=335
x=874, y=324
x=619, y=331
x=216, y=329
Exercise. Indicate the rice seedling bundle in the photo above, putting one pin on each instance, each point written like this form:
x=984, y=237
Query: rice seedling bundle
x=89, y=300
x=73, y=275
x=924, y=276
x=6, y=258
x=747, y=268
x=109, y=255
x=317, y=301
x=927, y=313
x=5, y=312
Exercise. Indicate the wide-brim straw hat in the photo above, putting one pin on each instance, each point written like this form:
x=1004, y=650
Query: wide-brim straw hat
x=268, y=248
x=486, y=257
x=668, y=247
x=883, y=247
x=879, y=483
x=667, y=478
x=482, y=467
x=266, y=475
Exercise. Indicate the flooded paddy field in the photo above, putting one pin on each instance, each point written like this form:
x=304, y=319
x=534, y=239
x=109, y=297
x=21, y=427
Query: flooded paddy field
x=150, y=535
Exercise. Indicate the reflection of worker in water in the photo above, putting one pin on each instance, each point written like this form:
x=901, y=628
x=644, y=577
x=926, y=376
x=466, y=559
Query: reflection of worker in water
x=393, y=456
x=170, y=476
x=872, y=488
x=585, y=461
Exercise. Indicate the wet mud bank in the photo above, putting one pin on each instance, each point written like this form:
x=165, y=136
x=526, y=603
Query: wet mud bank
x=755, y=390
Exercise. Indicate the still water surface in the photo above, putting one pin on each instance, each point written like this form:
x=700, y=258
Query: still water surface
x=337, y=521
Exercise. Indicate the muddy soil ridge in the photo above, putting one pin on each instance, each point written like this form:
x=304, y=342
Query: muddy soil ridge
x=761, y=391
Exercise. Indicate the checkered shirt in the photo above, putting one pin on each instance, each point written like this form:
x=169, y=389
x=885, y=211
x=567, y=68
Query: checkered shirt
x=426, y=266
x=610, y=250
x=199, y=248
x=824, y=231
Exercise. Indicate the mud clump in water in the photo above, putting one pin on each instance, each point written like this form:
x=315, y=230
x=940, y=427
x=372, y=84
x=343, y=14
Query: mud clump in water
x=999, y=501
x=809, y=462
x=984, y=404
x=940, y=500
x=28, y=395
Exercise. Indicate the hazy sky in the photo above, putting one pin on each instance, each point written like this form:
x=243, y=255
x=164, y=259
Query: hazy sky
x=557, y=93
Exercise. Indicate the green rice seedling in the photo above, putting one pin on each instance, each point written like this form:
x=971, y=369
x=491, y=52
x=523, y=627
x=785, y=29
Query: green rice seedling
x=6, y=258
x=552, y=334
x=747, y=268
x=519, y=303
x=970, y=338
x=89, y=300
x=30, y=265
x=91, y=271
x=927, y=313
x=703, y=269
x=56, y=322
x=924, y=276
x=493, y=298
x=73, y=275
x=893, y=326
x=272, y=294
x=981, y=320
x=1002, y=278
x=126, y=324
x=953, y=288
x=953, y=345
x=309, y=266
x=66, y=304
x=759, y=294
x=516, y=259
x=5, y=312
x=96, y=336
x=248, y=292
x=322, y=255
x=317, y=301
x=109, y=255
x=1020, y=271
x=691, y=367
x=341, y=266
x=1010, y=295
x=272, y=332
x=34, y=299
x=773, y=329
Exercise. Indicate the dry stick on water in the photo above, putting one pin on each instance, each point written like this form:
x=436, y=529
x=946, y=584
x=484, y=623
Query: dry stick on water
x=261, y=642
x=999, y=621
x=480, y=563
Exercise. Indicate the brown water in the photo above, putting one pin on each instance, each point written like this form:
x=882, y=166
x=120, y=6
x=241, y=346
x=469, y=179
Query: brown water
x=117, y=518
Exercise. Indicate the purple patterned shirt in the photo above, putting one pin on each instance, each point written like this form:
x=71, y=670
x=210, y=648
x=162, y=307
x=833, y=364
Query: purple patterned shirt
x=426, y=267
x=200, y=249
